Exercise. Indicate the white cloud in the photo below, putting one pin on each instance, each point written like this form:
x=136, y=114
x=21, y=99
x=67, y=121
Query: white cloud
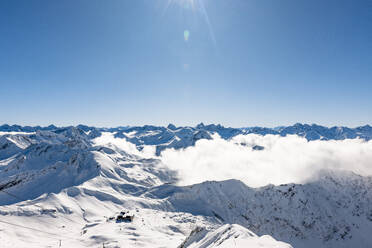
x=284, y=159
x=107, y=139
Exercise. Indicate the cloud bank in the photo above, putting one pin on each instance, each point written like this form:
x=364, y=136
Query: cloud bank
x=290, y=159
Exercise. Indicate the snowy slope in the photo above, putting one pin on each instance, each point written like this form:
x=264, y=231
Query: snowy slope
x=229, y=236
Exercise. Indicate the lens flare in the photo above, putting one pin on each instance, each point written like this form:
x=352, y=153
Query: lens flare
x=186, y=35
x=196, y=6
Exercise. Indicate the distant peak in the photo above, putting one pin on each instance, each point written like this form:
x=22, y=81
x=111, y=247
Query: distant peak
x=171, y=126
x=200, y=125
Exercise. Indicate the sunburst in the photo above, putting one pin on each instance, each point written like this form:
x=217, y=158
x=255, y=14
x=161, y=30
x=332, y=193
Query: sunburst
x=196, y=6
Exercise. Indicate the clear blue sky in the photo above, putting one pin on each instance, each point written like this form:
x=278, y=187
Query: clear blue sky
x=245, y=62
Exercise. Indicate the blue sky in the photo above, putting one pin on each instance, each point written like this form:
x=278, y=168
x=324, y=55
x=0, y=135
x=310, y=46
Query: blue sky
x=245, y=62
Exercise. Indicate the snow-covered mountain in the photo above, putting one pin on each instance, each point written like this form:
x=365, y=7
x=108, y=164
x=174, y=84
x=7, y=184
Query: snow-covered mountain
x=229, y=236
x=156, y=134
x=333, y=211
x=67, y=185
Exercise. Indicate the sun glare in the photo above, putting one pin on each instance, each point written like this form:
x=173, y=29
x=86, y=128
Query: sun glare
x=198, y=7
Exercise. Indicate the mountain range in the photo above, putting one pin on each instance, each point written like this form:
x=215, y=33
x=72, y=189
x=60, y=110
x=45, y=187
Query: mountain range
x=65, y=186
